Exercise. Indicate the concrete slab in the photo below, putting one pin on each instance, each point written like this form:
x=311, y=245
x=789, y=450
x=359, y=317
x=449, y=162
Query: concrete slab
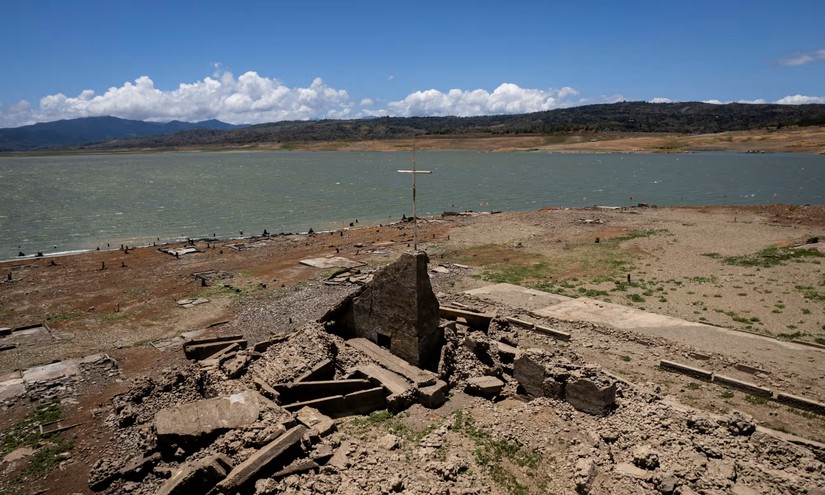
x=53, y=371
x=180, y=251
x=12, y=388
x=517, y=297
x=615, y=315
x=332, y=262
x=261, y=460
x=484, y=385
x=205, y=416
x=392, y=362
x=30, y=330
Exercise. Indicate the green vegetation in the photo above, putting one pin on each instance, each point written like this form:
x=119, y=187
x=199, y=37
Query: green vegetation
x=769, y=257
x=727, y=394
x=490, y=452
x=757, y=401
x=25, y=433
x=810, y=293
x=65, y=316
x=48, y=457
x=393, y=424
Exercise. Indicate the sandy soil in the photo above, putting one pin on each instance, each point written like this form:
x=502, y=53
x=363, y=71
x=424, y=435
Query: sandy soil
x=681, y=262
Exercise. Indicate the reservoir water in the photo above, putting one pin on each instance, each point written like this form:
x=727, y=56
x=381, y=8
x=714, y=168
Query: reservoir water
x=64, y=203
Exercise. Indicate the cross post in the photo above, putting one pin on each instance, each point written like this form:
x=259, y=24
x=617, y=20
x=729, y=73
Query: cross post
x=414, y=172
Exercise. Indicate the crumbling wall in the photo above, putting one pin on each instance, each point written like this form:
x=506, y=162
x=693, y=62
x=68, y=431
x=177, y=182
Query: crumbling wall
x=398, y=310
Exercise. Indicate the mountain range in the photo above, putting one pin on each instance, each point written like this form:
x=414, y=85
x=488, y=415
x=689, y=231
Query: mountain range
x=75, y=132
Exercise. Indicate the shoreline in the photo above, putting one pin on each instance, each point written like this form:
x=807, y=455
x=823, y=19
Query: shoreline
x=364, y=225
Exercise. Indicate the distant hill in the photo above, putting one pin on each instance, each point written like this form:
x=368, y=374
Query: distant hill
x=74, y=132
x=110, y=133
x=680, y=118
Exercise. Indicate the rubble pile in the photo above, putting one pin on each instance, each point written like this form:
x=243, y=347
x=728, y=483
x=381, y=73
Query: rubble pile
x=277, y=416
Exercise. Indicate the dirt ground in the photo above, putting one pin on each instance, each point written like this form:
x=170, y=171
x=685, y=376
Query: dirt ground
x=726, y=266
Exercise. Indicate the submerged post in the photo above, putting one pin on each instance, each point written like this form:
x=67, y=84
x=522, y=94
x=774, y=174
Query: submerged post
x=414, y=172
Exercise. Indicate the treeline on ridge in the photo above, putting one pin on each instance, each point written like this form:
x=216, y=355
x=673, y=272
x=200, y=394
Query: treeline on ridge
x=681, y=118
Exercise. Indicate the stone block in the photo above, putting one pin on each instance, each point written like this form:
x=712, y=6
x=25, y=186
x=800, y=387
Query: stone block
x=313, y=418
x=305, y=391
x=750, y=388
x=262, y=460
x=433, y=396
x=202, y=417
x=529, y=372
x=484, y=385
x=205, y=348
x=506, y=353
x=197, y=477
x=552, y=332
x=590, y=396
x=627, y=469
x=325, y=370
x=479, y=321
x=686, y=370
x=386, y=359
x=401, y=391
x=801, y=403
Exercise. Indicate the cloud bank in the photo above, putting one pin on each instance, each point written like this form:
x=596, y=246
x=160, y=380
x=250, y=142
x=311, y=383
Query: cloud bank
x=251, y=99
x=803, y=58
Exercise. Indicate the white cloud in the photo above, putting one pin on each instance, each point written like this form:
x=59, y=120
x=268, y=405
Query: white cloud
x=714, y=102
x=508, y=98
x=248, y=99
x=800, y=100
x=366, y=102
x=660, y=99
x=758, y=101
x=803, y=58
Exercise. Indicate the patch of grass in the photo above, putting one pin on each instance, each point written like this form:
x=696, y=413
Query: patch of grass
x=772, y=256
x=65, y=316
x=789, y=336
x=25, y=433
x=375, y=418
x=703, y=280
x=820, y=340
x=693, y=386
x=639, y=234
x=727, y=394
x=387, y=420
x=48, y=457
x=624, y=358
x=757, y=401
x=636, y=298
x=491, y=452
x=810, y=293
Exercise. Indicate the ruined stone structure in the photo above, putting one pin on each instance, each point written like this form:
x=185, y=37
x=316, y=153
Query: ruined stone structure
x=397, y=310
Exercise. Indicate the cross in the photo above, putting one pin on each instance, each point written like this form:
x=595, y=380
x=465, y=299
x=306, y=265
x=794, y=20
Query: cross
x=414, y=172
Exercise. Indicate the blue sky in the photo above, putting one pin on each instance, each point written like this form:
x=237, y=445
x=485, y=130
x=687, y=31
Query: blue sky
x=259, y=61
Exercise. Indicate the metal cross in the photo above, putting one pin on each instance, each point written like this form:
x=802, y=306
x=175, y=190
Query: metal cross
x=414, y=172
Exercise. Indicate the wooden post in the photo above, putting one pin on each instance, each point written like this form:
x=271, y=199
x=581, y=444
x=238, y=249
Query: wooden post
x=414, y=172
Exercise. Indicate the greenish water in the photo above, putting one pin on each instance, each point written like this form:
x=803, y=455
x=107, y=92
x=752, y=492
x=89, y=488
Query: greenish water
x=81, y=202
